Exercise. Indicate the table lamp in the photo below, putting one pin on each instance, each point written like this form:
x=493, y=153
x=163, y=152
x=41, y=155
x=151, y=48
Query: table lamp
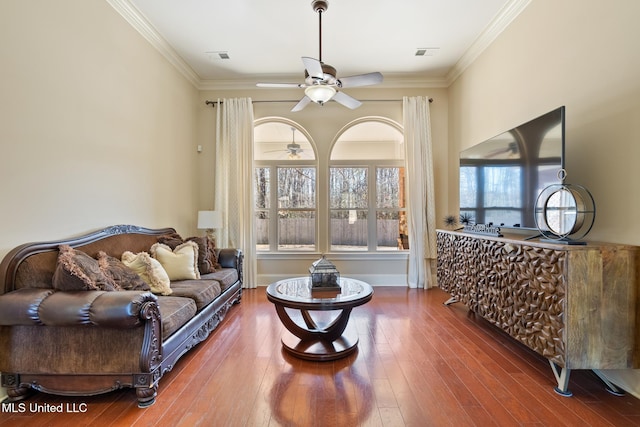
x=209, y=221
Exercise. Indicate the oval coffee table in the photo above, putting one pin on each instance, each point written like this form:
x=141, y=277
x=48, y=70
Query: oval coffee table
x=314, y=340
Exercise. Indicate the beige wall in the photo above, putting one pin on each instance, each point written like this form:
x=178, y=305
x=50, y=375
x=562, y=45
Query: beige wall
x=97, y=128
x=582, y=54
x=324, y=124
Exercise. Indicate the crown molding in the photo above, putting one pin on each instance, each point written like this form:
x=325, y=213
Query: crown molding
x=396, y=81
x=137, y=20
x=501, y=21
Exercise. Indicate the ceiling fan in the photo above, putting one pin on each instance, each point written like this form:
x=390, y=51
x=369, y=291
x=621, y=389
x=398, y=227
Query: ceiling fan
x=321, y=83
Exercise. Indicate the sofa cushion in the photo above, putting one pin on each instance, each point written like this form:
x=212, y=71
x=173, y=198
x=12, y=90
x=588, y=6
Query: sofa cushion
x=122, y=275
x=172, y=240
x=201, y=291
x=207, y=257
x=180, y=263
x=150, y=270
x=175, y=312
x=77, y=271
x=225, y=276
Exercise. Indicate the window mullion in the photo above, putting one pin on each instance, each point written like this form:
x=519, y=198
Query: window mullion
x=273, y=209
x=372, y=212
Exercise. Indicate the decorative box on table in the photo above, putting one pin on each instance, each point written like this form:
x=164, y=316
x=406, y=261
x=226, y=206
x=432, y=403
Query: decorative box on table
x=324, y=275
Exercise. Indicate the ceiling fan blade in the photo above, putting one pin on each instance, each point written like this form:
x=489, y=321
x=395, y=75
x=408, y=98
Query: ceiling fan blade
x=313, y=67
x=346, y=100
x=301, y=104
x=360, y=80
x=297, y=85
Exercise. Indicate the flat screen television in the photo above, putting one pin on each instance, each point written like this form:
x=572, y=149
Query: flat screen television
x=501, y=178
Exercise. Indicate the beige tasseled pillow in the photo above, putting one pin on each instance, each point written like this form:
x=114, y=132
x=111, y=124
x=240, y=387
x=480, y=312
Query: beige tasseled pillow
x=150, y=270
x=181, y=263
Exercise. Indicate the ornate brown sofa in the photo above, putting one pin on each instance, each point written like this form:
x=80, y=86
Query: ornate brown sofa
x=87, y=342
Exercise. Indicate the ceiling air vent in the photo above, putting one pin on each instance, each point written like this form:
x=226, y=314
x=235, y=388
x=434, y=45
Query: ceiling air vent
x=427, y=51
x=217, y=55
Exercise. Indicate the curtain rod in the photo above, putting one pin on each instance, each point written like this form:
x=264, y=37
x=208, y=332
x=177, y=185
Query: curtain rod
x=213, y=103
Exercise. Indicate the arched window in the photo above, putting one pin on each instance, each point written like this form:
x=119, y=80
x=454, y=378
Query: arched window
x=284, y=187
x=367, y=206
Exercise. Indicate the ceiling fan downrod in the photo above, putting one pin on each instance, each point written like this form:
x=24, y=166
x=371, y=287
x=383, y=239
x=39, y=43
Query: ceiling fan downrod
x=320, y=6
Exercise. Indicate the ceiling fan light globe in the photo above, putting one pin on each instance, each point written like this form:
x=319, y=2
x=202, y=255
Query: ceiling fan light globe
x=320, y=93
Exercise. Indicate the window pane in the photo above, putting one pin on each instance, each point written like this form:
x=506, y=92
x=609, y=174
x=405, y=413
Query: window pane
x=348, y=188
x=261, y=188
x=296, y=188
x=349, y=230
x=391, y=230
x=262, y=230
x=390, y=188
x=296, y=230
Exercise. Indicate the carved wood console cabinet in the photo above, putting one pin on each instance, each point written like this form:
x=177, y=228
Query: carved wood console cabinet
x=578, y=306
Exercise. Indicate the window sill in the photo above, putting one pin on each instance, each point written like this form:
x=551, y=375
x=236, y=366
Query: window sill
x=340, y=256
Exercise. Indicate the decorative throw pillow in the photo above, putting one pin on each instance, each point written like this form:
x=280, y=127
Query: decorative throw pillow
x=122, y=275
x=149, y=270
x=77, y=271
x=181, y=263
x=172, y=240
x=207, y=259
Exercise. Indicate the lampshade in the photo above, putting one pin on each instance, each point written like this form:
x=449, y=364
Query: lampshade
x=320, y=93
x=209, y=220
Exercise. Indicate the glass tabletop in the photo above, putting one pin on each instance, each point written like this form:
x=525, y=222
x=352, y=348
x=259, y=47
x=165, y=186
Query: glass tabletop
x=298, y=289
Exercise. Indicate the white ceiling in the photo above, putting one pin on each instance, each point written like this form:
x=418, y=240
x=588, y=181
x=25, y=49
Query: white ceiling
x=266, y=39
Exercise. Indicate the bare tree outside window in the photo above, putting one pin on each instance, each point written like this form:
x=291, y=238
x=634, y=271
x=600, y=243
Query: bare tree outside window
x=262, y=196
x=348, y=201
x=390, y=209
x=296, y=208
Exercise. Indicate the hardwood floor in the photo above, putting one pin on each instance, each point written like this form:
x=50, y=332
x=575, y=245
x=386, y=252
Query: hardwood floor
x=419, y=363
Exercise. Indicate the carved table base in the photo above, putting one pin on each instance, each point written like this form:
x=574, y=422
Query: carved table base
x=320, y=349
x=317, y=342
x=310, y=338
